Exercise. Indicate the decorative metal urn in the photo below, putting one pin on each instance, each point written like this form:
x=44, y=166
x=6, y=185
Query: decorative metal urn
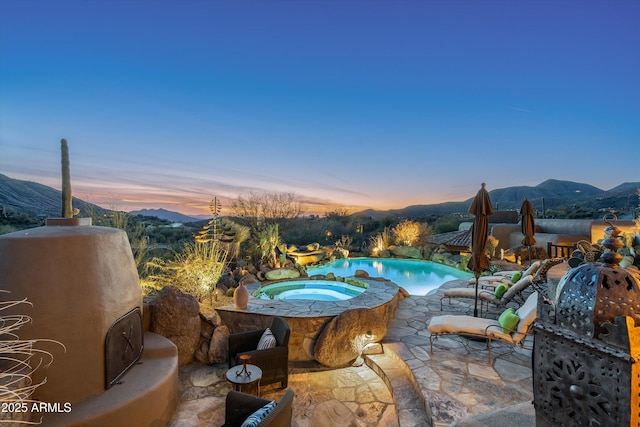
x=587, y=346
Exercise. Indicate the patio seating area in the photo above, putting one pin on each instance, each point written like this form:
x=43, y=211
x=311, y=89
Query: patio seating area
x=455, y=381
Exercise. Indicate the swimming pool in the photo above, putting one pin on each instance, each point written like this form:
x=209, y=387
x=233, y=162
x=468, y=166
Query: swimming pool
x=317, y=290
x=416, y=276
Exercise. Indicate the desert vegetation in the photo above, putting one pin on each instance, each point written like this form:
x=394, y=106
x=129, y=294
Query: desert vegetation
x=259, y=231
x=19, y=361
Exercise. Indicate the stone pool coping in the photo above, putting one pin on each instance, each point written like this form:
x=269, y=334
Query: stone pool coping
x=380, y=291
x=307, y=318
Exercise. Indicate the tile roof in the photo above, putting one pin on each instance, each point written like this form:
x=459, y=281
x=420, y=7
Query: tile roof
x=453, y=238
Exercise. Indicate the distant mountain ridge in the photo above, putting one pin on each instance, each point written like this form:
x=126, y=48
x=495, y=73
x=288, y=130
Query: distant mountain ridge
x=552, y=193
x=37, y=199
x=165, y=214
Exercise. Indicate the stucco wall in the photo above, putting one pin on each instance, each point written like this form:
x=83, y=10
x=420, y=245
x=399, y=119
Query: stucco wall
x=80, y=280
x=556, y=231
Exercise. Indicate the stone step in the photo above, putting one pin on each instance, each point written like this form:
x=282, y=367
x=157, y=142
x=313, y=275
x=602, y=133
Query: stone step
x=521, y=415
x=410, y=404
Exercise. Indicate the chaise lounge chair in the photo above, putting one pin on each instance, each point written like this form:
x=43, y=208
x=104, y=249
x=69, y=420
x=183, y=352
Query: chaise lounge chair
x=507, y=275
x=490, y=329
x=531, y=270
x=486, y=296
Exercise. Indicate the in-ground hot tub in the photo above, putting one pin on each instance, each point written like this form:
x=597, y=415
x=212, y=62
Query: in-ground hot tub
x=316, y=290
x=307, y=317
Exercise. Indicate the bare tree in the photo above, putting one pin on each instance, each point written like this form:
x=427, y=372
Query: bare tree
x=268, y=208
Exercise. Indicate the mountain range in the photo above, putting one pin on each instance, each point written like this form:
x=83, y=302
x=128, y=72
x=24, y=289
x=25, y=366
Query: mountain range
x=28, y=197
x=36, y=199
x=549, y=194
x=165, y=214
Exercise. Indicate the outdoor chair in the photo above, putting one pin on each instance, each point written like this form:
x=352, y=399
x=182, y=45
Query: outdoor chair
x=541, y=275
x=486, y=296
x=530, y=271
x=506, y=275
x=489, y=329
x=273, y=361
x=240, y=406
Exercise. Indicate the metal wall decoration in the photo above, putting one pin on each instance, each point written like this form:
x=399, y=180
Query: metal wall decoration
x=587, y=348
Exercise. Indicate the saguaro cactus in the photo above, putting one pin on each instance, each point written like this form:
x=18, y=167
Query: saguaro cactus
x=67, y=210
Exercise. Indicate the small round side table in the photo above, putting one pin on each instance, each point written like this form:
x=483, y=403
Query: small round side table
x=239, y=376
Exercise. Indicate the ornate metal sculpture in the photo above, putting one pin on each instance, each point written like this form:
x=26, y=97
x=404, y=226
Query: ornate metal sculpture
x=587, y=345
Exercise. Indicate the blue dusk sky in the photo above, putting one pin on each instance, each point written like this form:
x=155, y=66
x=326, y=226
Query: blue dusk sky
x=381, y=104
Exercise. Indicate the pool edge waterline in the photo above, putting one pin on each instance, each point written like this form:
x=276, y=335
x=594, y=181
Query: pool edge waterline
x=417, y=277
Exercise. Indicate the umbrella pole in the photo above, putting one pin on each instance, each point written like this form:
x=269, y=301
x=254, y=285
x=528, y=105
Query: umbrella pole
x=475, y=306
x=530, y=260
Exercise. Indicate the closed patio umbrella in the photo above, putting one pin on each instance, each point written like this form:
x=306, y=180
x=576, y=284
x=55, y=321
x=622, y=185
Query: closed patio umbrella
x=528, y=225
x=481, y=209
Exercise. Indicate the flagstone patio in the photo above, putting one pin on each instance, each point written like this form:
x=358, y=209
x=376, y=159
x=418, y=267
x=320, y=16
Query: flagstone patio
x=455, y=382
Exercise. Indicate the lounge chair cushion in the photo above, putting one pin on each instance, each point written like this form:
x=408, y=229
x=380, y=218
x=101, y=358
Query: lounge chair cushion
x=500, y=290
x=484, y=280
x=254, y=419
x=508, y=320
x=517, y=287
x=531, y=270
x=469, y=293
x=527, y=314
x=516, y=276
x=461, y=324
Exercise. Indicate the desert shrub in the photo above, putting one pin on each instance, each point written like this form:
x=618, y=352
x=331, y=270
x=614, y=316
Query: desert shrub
x=5, y=229
x=427, y=252
x=345, y=241
x=492, y=244
x=19, y=359
x=381, y=241
x=446, y=224
x=241, y=234
x=411, y=233
x=195, y=269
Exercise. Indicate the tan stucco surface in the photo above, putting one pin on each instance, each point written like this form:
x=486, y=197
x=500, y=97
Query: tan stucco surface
x=80, y=280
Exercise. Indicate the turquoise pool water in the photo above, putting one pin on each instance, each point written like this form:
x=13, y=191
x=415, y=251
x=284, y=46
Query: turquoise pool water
x=317, y=290
x=417, y=277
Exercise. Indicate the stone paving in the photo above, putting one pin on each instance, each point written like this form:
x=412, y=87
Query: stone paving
x=323, y=398
x=456, y=381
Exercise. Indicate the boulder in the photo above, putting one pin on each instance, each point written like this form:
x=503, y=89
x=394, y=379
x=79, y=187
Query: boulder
x=219, y=347
x=441, y=258
x=343, y=339
x=282, y=273
x=305, y=258
x=406, y=251
x=227, y=281
x=361, y=273
x=175, y=316
x=247, y=279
